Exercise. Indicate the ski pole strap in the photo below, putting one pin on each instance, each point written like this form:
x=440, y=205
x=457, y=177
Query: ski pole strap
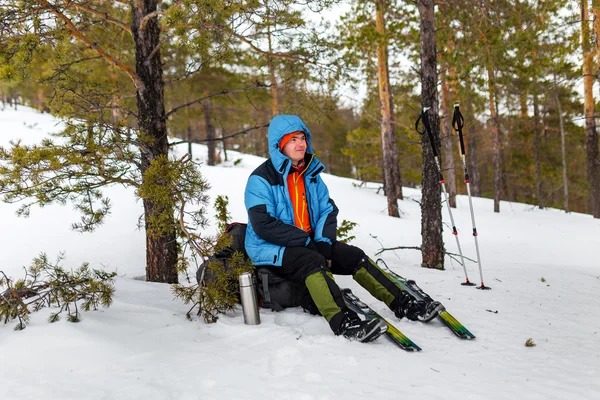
x=458, y=122
x=426, y=128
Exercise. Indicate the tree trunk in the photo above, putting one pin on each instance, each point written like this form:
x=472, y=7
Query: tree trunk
x=41, y=98
x=591, y=135
x=447, y=142
x=495, y=136
x=471, y=146
x=189, y=139
x=391, y=171
x=474, y=176
x=564, y=155
x=210, y=133
x=432, y=247
x=116, y=114
x=271, y=66
x=537, y=150
x=161, y=247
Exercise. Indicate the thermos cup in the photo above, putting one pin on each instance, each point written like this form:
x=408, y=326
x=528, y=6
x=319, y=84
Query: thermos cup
x=249, y=299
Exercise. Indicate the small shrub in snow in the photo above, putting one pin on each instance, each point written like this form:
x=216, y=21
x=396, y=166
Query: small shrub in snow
x=220, y=293
x=48, y=285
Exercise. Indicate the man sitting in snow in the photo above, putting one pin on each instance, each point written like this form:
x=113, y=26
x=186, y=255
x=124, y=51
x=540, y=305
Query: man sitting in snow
x=292, y=229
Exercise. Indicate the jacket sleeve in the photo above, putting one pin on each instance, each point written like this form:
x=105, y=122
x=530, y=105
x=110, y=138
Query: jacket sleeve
x=259, y=200
x=326, y=227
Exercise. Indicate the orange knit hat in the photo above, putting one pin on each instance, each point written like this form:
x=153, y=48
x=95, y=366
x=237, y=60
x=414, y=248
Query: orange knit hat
x=287, y=138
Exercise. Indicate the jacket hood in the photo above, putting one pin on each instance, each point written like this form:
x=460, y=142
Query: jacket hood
x=280, y=126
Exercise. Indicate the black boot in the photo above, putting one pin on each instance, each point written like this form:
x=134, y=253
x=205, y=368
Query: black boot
x=353, y=328
x=407, y=306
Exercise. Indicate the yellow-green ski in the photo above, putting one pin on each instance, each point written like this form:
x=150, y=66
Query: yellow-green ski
x=392, y=333
x=415, y=291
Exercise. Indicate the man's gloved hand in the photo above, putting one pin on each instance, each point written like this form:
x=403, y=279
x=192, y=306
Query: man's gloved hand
x=325, y=249
x=312, y=246
x=322, y=248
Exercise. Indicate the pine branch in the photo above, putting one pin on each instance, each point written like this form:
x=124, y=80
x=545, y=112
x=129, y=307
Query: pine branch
x=60, y=288
x=76, y=33
x=186, y=233
x=155, y=14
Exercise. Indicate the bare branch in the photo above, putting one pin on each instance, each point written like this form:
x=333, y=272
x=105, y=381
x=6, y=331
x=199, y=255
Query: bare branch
x=398, y=248
x=165, y=39
x=255, y=127
x=104, y=16
x=256, y=84
x=244, y=39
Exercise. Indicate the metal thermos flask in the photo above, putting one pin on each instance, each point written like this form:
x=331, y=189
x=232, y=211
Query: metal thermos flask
x=249, y=299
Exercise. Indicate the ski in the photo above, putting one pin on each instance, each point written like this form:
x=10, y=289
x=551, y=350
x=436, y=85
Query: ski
x=400, y=339
x=435, y=308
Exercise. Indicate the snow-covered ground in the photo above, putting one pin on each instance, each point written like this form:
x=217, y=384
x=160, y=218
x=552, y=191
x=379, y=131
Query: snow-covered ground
x=542, y=266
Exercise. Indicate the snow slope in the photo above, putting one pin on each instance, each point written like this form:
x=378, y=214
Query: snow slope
x=144, y=348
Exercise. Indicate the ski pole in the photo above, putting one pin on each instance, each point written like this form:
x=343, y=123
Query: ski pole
x=457, y=123
x=427, y=128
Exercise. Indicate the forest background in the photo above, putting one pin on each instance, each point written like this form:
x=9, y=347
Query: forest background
x=514, y=66
x=125, y=75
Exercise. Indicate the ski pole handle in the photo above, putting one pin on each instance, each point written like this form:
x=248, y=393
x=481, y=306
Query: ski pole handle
x=458, y=122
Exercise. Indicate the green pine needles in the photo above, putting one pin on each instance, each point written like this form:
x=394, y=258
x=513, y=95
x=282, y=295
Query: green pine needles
x=344, y=231
x=47, y=284
x=218, y=290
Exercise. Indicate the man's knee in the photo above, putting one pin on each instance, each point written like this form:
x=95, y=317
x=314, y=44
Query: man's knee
x=311, y=263
x=347, y=251
x=303, y=261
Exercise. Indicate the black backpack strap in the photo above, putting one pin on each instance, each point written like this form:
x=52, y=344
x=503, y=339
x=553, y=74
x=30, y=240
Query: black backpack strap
x=264, y=278
x=266, y=294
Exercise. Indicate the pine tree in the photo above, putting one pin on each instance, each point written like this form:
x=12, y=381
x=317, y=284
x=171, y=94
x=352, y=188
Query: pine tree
x=391, y=170
x=134, y=151
x=370, y=32
x=591, y=134
x=432, y=247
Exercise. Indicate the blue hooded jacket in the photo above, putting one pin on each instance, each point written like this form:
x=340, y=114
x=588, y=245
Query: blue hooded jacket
x=271, y=225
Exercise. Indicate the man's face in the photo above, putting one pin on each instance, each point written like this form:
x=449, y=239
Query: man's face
x=295, y=149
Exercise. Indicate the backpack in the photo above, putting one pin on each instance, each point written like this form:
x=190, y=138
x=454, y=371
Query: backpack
x=274, y=292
